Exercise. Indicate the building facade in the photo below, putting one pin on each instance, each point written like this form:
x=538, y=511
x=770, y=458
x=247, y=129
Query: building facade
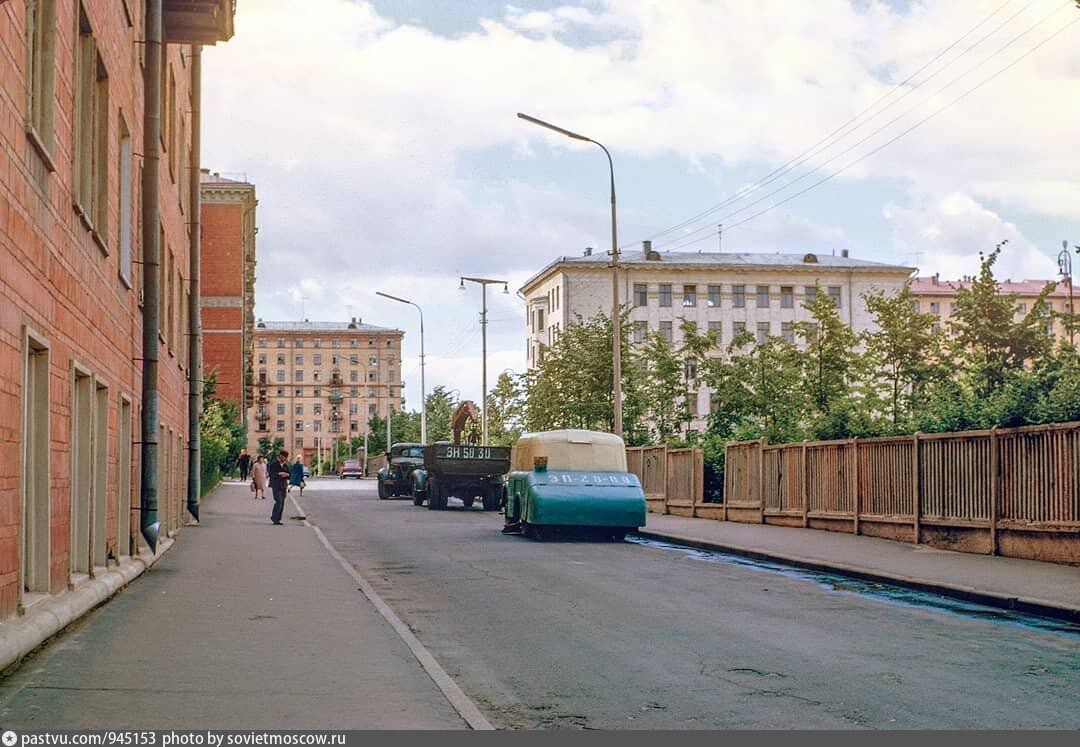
x=227, y=273
x=318, y=383
x=727, y=293
x=80, y=280
x=938, y=297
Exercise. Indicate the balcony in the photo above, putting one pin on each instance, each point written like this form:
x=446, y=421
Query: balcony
x=197, y=21
x=335, y=399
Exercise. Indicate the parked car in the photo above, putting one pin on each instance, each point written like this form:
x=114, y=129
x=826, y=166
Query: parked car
x=350, y=468
x=307, y=472
x=396, y=477
x=572, y=479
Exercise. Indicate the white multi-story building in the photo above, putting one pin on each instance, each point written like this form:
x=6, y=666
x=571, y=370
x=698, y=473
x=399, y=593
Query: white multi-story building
x=725, y=292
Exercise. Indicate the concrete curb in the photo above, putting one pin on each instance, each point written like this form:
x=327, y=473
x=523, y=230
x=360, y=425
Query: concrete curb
x=23, y=635
x=1028, y=605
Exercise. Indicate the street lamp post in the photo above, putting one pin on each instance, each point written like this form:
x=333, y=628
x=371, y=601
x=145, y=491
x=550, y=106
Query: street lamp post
x=1065, y=268
x=484, y=283
x=423, y=391
x=616, y=318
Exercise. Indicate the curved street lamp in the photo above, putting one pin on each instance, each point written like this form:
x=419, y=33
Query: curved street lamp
x=423, y=391
x=616, y=326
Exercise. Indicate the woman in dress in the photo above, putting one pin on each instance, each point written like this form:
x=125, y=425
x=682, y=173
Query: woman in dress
x=296, y=474
x=260, y=476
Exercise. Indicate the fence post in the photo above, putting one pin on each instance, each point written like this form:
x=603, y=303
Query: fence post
x=855, y=480
x=995, y=489
x=805, y=488
x=698, y=492
x=916, y=499
x=761, y=477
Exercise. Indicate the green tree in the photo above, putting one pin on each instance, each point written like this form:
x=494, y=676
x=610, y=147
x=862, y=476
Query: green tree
x=904, y=353
x=832, y=366
x=269, y=446
x=665, y=388
x=506, y=410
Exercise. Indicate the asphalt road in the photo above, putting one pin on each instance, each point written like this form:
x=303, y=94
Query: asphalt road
x=603, y=635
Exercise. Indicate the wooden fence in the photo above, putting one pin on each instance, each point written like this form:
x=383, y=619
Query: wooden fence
x=672, y=479
x=1010, y=491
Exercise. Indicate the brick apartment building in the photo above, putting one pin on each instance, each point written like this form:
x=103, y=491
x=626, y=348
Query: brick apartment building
x=227, y=272
x=320, y=382
x=92, y=193
x=938, y=297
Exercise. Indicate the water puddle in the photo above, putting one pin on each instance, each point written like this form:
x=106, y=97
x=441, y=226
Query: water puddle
x=897, y=595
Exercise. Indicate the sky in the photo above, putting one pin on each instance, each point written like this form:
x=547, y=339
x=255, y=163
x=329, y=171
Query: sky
x=384, y=146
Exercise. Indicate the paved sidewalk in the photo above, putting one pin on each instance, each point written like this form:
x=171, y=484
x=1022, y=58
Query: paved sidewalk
x=1027, y=585
x=242, y=625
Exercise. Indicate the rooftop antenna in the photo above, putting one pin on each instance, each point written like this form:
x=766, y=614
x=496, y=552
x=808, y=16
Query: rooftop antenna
x=720, y=237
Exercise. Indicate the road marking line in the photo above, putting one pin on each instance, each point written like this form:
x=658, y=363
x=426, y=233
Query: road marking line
x=454, y=694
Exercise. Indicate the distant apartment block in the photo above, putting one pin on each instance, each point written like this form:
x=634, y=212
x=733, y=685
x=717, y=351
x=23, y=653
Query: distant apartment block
x=724, y=292
x=938, y=297
x=320, y=382
x=227, y=276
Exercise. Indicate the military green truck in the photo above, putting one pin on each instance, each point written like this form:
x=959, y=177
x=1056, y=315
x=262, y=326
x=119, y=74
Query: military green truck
x=462, y=471
x=396, y=477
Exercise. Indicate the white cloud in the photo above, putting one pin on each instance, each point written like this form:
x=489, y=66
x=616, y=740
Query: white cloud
x=946, y=235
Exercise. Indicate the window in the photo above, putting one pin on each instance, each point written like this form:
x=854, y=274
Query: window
x=35, y=466
x=373, y=360
x=809, y=293
x=935, y=327
x=315, y=376
x=641, y=294
x=279, y=376
x=952, y=309
x=316, y=408
x=665, y=294
x=299, y=442
x=281, y=359
x=691, y=369
x=298, y=344
x=262, y=342
x=715, y=329
x=714, y=296
x=299, y=360
x=298, y=425
x=1023, y=308
x=834, y=295
x=82, y=474
x=299, y=391
x=354, y=426
x=640, y=330
x=317, y=359
x=371, y=392
x=372, y=376
x=787, y=331
x=738, y=296
x=689, y=296
x=317, y=426
x=763, y=296
x=280, y=426
x=299, y=375
x=935, y=307
x=123, y=480
x=280, y=392
x=91, y=128
x=915, y=306
x=354, y=376
x=665, y=331
x=762, y=332
x=352, y=342
x=125, y=222
x=390, y=376
x=281, y=342
x=354, y=408
x=317, y=392
x=281, y=408
x=40, y=84
x=787, y=297
x=738, y=328
x=317, y=343
x=371, y=409
x=335, y=343
x=334, y=360
x=539, y=320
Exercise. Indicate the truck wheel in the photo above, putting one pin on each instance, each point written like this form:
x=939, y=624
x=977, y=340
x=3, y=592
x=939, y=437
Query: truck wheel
x=492, y=493
x=434, y=493
x=382, y=491
x=468, y=501
x=417, y=496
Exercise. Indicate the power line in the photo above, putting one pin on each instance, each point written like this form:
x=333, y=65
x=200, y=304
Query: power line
x=691, y=238
x=909, y=129
x=849, y=126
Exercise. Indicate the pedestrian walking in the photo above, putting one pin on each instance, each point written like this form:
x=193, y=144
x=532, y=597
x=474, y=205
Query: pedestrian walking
x=244, y=463
x=279, y=482
x=296, y=474
x=260, y=476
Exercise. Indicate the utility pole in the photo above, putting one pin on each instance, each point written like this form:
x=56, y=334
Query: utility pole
x=389, y=417
x=484, y=283
x=1065, y=268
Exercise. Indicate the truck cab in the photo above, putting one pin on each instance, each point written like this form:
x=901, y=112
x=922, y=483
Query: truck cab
x=396, y=477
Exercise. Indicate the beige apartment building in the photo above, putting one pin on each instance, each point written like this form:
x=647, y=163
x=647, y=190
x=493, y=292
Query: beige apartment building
x=724, y=292
x=319, y=382
x=938, y=297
